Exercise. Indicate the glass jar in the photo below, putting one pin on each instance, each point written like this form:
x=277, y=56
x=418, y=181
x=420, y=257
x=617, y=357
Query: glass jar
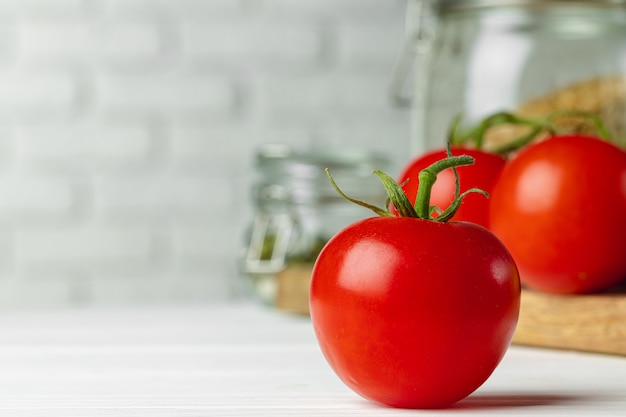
x=297, y=211
x=477, y=57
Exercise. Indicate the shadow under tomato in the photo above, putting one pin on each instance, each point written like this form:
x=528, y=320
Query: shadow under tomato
x=514, y=400
x=504, y=401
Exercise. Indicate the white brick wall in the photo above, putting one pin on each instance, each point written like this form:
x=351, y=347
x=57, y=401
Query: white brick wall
x=127, y=132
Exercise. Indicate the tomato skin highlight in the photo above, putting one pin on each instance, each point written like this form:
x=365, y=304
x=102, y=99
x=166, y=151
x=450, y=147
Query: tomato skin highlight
x=414, y=313
x=482, y=174
x=560, y=208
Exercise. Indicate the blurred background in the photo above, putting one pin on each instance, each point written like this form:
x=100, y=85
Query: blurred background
x=128, y=130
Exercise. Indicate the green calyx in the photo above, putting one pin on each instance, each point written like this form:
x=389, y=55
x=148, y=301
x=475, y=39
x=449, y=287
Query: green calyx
x=475, y=136
x=422, y=208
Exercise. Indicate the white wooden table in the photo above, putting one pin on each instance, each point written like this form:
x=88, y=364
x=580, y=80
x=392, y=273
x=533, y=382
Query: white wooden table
x=247, y=360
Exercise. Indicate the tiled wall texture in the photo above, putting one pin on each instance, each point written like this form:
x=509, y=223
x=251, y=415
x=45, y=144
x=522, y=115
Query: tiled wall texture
x=127, y=130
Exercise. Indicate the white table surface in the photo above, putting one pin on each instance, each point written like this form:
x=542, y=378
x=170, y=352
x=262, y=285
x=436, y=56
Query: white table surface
x=247, y=360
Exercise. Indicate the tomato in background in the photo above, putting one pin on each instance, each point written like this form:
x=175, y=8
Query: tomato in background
x=560, y=208
x=482, y=174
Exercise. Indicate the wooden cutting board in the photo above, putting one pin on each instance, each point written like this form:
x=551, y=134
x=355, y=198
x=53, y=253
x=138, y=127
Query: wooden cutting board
x=591, y=323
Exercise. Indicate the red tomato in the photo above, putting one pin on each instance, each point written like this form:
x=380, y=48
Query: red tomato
x=483, y=175
x=560, y=208
x=414, y=313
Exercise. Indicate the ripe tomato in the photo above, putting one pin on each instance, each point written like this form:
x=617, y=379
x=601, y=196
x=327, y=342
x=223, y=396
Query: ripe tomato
x=560, y=208
x=413, y=312
x=482, y=174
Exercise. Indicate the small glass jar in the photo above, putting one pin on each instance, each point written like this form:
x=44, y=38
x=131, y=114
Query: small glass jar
x=532, y=57
x=297, y=211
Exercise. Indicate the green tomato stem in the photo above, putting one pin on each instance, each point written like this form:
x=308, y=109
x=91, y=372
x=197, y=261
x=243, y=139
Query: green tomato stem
x=593, y=118
x=475, y=136
x=379, y=211
x=427, y=178
x=396, y=195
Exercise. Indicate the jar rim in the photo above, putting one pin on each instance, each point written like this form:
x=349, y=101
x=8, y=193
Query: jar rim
x=287, y=159
x=445, y=6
